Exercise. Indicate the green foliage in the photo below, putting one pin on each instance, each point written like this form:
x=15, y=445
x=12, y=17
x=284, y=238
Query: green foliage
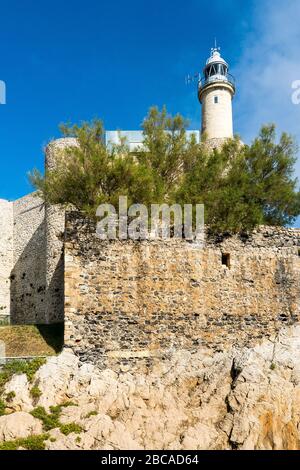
x=166, y=153
x=10, y=396
x=89, y=174
x=69, y=428
x=91, y=413
x=269, y=169
x=2, y=407
x=35, y=442
x=241, y=186
x=246, y=186
x=19, y=367
x=51, y=420
x=35, y=392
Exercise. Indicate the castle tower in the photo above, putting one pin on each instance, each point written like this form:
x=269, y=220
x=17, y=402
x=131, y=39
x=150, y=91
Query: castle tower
x=215, y=92
x=54, y=232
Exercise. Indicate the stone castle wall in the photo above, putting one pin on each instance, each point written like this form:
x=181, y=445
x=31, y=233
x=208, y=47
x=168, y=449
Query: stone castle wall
x=126, y=300
x=54, y=239
x=28, y=274
x=22, y=260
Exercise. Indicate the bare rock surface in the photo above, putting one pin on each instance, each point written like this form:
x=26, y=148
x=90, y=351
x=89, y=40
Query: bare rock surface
x=238, y=399
x=18, y=425
x=19, y=388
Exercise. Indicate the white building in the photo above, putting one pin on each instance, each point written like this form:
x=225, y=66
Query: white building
x=134, y=139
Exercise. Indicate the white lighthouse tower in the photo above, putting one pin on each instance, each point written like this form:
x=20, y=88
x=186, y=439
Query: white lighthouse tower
x=215, y=91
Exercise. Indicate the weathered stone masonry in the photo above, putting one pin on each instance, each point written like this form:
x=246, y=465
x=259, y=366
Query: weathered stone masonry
x=125, y=300
x=22, y=260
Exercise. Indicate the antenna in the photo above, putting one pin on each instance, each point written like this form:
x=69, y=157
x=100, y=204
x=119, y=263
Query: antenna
x=192, y=78
x=216, y=48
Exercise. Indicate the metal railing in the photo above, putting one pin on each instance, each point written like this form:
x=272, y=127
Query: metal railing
x=228, y=78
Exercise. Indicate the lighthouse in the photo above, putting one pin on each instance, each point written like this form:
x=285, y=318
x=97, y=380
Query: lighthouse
x=216, y=90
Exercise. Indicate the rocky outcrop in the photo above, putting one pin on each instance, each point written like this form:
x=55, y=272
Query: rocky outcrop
x=18, y=389
x=239, y=399
x=18, y=425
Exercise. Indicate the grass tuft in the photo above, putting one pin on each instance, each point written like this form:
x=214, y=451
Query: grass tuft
x=2, y=408
x=91, y=413
x=35, y=392
x=51, y=420
x=19, y=367
x=67, y=429
x=36, y=442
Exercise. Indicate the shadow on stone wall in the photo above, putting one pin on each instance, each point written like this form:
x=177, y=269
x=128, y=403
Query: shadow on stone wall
x=28, y=282
x=31, y=302
x=55, y=292
x=53, y=335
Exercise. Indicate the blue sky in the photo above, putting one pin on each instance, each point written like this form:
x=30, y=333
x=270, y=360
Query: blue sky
x=74, y=60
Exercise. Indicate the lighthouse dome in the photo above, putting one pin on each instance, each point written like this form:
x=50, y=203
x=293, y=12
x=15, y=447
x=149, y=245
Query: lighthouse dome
x=216, y=71
x=216, y=58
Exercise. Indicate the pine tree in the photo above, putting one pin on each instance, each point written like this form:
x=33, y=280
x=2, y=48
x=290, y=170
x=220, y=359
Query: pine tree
x=241, y=186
